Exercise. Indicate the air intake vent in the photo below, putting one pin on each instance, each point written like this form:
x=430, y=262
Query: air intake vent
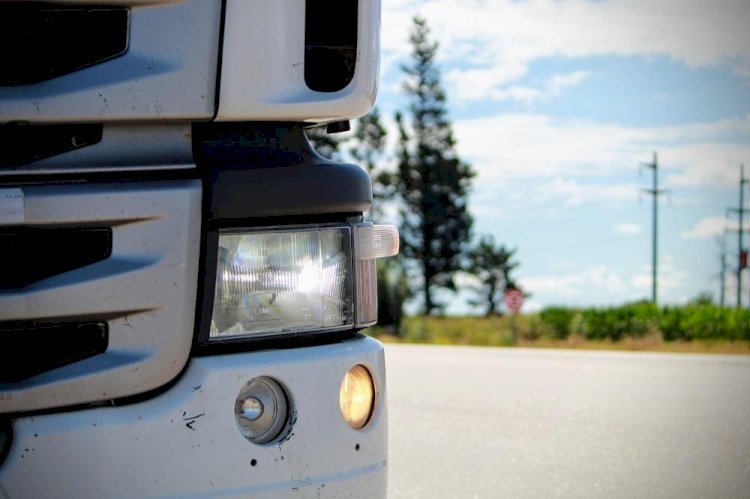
x=330, y=44
x=39, y=42
x=29, y=254
x=29, y=348
x=23, y=144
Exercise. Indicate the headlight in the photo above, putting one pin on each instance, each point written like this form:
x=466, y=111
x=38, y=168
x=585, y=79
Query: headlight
x=285, y=281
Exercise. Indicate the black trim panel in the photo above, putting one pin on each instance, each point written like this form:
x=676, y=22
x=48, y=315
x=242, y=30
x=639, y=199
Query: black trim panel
x=271, y=170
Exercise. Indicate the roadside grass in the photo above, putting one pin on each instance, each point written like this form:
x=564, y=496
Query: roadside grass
x=532, y=332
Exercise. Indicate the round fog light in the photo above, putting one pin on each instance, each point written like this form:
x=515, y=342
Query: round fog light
x=261, y=410
x=357, y=396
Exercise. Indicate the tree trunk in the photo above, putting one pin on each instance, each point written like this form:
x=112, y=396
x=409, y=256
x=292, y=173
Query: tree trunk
x=491, y=306
x=429, y=306
x=491, y=303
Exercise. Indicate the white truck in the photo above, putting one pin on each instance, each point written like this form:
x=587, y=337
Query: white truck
x=183, y=279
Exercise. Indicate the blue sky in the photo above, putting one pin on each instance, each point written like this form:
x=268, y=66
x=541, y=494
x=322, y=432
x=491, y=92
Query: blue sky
x=555, y=104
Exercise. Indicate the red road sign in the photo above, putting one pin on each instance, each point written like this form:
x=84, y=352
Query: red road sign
x=514, y=300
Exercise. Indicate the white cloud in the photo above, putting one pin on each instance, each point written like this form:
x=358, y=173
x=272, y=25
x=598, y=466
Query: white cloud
x=581, y=161
x=560, y=81
x=501, y=39
x=517, y=146
x=527, y=95
x=551, y=88
x=628, y=229
x=478, y=83
x=568, y=192
x=607, y=284
x=599, y=280
x=671, y=280
x=708, y=164
x=473, y=83
x=512, y=146
x=710, y=227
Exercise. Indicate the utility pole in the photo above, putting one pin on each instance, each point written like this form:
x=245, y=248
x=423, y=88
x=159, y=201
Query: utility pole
x=655, y=192
x=722, y=242
x=741, y=253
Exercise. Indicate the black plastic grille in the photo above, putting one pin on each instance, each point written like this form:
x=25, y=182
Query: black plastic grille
x=29, y=254
x=22, y=144
x=30, y=348
x=330, y=43
x=39, y=41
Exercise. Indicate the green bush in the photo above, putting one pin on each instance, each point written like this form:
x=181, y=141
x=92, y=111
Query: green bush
x=559, y=320
x=704, y=322
x=738, y=325
x=615, y=323
x=596, y=325
x=671, y=324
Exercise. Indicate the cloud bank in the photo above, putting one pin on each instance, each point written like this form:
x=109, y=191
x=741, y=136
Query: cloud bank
x=490, y=44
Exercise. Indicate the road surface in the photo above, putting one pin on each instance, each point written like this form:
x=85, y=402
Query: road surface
x=501, y=422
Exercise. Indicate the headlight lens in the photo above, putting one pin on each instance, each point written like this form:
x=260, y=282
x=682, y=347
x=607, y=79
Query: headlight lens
x=284, y=281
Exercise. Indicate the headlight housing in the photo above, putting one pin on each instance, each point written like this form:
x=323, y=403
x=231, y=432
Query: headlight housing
x=292, y=280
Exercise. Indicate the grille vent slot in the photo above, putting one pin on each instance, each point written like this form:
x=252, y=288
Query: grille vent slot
x=29, y=348
x=23, y=144
x=330, y=44
x=39, y=42
x=29, y=254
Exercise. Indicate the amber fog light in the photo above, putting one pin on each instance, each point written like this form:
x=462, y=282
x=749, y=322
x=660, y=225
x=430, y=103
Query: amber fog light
x=357, y=397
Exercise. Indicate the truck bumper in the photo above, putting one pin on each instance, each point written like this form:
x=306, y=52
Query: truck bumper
x=185, y=441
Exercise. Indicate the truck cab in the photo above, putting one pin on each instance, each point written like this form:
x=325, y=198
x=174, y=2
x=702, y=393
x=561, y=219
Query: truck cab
x=185, y=283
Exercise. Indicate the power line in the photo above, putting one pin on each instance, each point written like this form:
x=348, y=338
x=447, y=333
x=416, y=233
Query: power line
x=655, y=192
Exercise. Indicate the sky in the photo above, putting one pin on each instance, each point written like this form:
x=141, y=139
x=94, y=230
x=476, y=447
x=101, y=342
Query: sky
x=556, y=104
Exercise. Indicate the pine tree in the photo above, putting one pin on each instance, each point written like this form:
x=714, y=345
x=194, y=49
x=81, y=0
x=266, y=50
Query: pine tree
x=370, y=136
x=492, y=265
x=432, y=181
x=369, y=148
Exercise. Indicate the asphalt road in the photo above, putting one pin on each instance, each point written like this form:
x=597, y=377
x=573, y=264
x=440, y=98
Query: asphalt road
x=493, y=422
